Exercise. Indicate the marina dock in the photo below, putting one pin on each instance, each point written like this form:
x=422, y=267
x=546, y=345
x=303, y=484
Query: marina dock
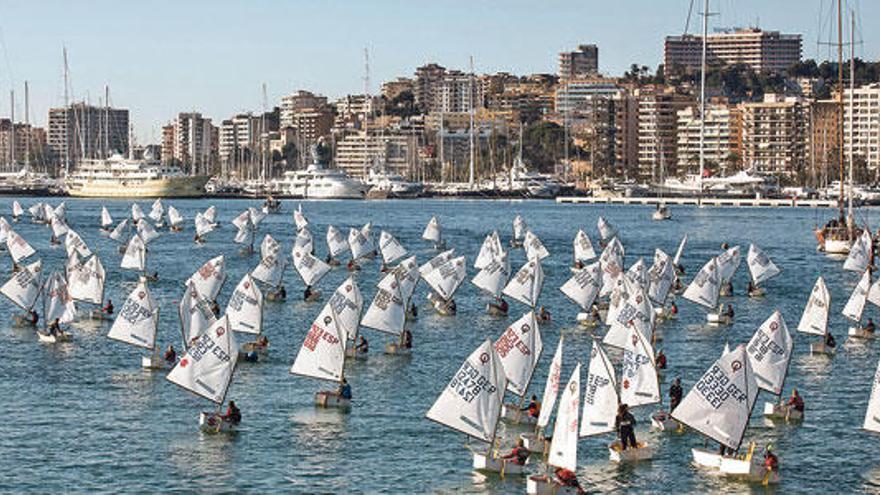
x=734, y=202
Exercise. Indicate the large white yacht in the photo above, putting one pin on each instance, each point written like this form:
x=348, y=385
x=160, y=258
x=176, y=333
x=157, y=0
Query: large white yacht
x=317, y=182
x=392, y=185
x=532, y=184
x=120, y=177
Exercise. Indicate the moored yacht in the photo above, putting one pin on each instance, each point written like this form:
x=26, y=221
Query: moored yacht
x=120, y=177
x=392, y=185
x=317, y=182
x=531, y=184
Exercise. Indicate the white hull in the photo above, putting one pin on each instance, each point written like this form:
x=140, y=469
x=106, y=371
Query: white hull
x=353, y=353
x=482, y=462
x=177, y=187
x=662, y=421
x=860, y=333
x=836, y=247
x=586, y=320
x=821, y=348
x=512, y=414
x=782, y=411
x=642, y=452
x=731, y=466
x=54, y=339
x=397, y=350
x=757, y=292
x=331, y=400
x=717, y=319
x=661, y=215
x=534, y=442
x=211, y=422
x=262, y=351
x=154, y=363
x=543, y=485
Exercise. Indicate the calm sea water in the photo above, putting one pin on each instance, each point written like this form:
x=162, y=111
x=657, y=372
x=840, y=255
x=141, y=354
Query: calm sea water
x=84, y=418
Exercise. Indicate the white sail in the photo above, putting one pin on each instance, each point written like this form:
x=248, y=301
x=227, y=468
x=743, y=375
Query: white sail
x=432, y=231
x=211, y=214
x=769, y=352
x=157, y=211
x=73, y=242
x=357, y=244
x=519, y=347
x=815, y=318
x=860, y=253
x=347, y=304
x=58, y=302
x=246, y=232
x=633, y=311
x=856, y=303
x=59, y=227
x=74, y=263
x=209, y=278
x=146, y=231
x=526, y=285
x=489, y=251
x=18, y=248
x=638, y=375
x=584, y=286
x=390, y=248
x=405, y=274
x=24, y=287
x=720, y=403
x=519, y=228
x=17, y=210
x=436, y=262
x=269, y=247
x=681, y=245
x=583, y=248
x=106, y=219
x=728, y=263
x=174, y=217
x=493, y=277
x=611, y=262
x=256, y=216
x=322, y=354
x=365, y=231
x=119, y=232
x=60, y=212
x=137, y=319
x=270, y=270
x=872, y=414
x=661, y=276
x=137, y=214
x=706, y=286
x=336, y=241
x=551, y=386
x=387, y=312
x=4, y=230
x=203, y=224
x=606, y=230
x=563, y=445
x=600, y=394
x=242, y=220
x=48, y=212
x=638, y=273
x=310, y=268
x=534, y=247
x=195, y=313
x=446, y=279
x=471, y=402
x=207, y=367
x=135, y=257
x=761, y=267
x=86, y=283
x=245, y=307
x=299, y=218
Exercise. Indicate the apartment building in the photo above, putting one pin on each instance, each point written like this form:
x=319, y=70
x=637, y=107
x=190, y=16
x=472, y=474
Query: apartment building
x=191, y=141
x=580, y=63
x=760, y=50
x=774, y=137
x=657, y=130
x=85, y=131
x=720, y=138
x=861, y=124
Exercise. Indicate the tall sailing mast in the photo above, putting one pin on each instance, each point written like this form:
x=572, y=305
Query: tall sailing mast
x=471, y=111
x=366, y=105
x=840, y=105
x=703, y=96
x=11, y=129
x=852, y=97
x=27, y=126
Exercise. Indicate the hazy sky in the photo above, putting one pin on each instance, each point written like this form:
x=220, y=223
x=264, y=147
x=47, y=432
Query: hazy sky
x=162, y=56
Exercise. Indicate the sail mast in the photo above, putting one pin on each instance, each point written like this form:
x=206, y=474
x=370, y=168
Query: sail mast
x=839, y=129
x=703, y=97
x=852, y=96
x=471, y=111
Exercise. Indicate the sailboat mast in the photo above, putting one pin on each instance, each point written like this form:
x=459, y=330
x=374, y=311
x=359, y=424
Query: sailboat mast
x=366, y=103
x=107, y=121
x=67, y=133
x=471, y=110
x=852, y=96
x=11, y=128
x=703, y=95
x=840, y=103
x=27, y=125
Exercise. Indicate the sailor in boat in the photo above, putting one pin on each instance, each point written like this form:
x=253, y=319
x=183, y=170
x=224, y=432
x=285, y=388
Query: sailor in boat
x=625, y=424
x=27, y=321
x=543, y=315
x=170, y=355
x=771, y=462
x=568, y=479
x=533, y=407
x=330, y=260
x=499, y=307
x=54, y=328
x=310, y=295
x=519, y=455
x=362, y=347
x=753, y=290
x=154, y=276
x=352, y=266
x=108, y=308
x=795, y=402
x=198, y=239
x=279, y=295
x=675, y=394
x=406, y=339
x=413, y=311
x=344, y=390
x=233, y=414
x=15, y=267
x=829, y=340
x=727, y=289
x=677, y=285
x=578, y=265
x=215, y=308
x=673, y=309
x=869, y=327
x=661, y=360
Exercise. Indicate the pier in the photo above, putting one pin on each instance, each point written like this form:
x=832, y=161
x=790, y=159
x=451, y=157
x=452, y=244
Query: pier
x=733, y=202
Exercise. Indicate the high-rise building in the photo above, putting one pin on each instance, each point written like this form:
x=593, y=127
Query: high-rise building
x=861, y=124
x=189, y=141
x=774, y=135
x=720, y=139
x=239, y=142
x=85, y=131
x=657, y=129
x=626, y=133
x=457, y=92
x=571, y=94
x=309, y=114
x=350, y=110
x=768, y=51
x=356, y=154
x=581, y=63
x=824, y=142
x=26, y=145
x=427, y=80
